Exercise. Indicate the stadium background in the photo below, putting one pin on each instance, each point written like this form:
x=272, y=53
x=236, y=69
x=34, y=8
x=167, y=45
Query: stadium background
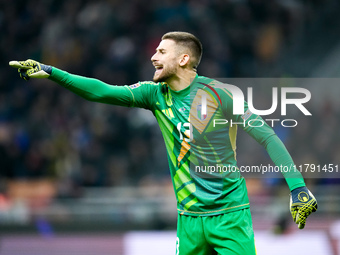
x=84, y=178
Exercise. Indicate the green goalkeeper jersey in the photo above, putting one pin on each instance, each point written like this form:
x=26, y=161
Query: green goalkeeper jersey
x=199, y=130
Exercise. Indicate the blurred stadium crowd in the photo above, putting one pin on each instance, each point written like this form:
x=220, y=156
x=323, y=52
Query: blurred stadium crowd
x=48, y=132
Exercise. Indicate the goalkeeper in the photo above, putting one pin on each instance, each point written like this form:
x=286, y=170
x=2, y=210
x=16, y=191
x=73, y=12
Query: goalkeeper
x=213, y=210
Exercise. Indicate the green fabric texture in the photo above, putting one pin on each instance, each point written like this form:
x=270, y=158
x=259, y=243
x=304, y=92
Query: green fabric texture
x=192, y=140
x=224, y=234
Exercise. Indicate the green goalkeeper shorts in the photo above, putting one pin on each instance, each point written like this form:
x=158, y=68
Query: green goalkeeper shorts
x=225, y=234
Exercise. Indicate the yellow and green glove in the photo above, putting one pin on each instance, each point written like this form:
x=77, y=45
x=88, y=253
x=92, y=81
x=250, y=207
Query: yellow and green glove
x=31, y=68
x=302, y=204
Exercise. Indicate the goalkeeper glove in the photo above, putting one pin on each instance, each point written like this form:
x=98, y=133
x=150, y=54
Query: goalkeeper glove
x=302, y=204
x=31, y=68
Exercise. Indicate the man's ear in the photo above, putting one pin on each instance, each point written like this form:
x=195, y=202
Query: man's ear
x=184, y=60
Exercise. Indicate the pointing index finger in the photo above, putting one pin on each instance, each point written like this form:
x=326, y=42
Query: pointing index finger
x=16, y=64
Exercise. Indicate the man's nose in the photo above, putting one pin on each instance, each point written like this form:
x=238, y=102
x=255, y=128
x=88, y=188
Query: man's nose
x=153, y=58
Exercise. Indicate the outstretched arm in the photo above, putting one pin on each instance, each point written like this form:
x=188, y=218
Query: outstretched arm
x=93, y=89
x=88, y=88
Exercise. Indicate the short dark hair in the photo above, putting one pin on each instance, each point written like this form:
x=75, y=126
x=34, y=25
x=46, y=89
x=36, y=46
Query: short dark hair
x=189, y=41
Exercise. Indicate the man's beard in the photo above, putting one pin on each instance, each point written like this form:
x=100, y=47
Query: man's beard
x=166, y=73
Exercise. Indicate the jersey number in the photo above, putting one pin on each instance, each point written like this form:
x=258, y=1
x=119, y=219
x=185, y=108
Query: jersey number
x=187, y=132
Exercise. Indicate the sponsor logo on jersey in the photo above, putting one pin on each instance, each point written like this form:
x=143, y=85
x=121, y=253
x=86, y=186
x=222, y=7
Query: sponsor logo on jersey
x=136, y=85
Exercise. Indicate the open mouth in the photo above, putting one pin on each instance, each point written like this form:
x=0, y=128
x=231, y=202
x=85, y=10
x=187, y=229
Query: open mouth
x=159, y=68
